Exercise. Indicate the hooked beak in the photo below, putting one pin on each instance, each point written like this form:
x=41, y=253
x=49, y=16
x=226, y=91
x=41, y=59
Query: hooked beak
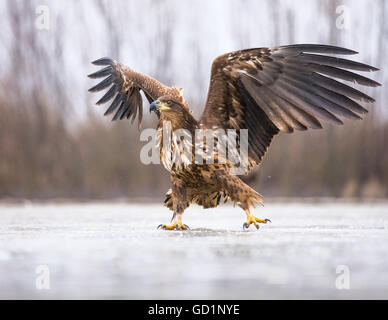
x=158, y=106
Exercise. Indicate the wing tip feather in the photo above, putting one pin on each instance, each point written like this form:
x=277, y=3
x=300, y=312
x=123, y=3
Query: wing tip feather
x=105, y=61
x=320, y=48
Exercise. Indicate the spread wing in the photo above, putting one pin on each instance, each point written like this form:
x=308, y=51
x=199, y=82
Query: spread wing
x=287, y=88
x=124, y=89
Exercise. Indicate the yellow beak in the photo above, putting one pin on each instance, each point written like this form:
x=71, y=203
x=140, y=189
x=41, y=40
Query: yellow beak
x=162, y=106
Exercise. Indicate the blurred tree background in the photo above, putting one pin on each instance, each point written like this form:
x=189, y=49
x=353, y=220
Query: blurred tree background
x=54, y=143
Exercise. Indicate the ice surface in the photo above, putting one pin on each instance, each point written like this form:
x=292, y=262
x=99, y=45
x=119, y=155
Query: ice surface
x=115, y=251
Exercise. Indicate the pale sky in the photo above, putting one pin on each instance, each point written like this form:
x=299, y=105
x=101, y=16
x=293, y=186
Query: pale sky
x=198, y=32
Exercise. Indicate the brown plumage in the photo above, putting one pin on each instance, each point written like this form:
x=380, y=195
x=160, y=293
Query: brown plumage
x=263, y=90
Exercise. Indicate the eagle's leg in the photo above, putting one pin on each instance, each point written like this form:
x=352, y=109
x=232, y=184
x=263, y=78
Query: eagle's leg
x=239, y=192
x=179, y=201
x=176, y=224
x=251, y=219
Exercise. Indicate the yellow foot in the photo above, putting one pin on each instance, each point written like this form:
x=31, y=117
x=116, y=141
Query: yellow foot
x=251, y=219
x=174, y=226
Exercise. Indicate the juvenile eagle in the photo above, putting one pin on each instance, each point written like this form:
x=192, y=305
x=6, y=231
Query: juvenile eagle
x=263, y=90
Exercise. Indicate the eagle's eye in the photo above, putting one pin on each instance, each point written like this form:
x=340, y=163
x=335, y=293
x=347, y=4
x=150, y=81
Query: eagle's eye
x=169, y=102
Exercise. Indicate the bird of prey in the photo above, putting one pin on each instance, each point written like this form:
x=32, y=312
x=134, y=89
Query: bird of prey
x=262, y=90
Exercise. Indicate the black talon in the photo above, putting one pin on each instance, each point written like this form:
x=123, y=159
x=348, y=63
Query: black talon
x=267, y=220
x=159, y=226
x=176, y=227
x=245, y=226
x=187, y=226
x=257, y=226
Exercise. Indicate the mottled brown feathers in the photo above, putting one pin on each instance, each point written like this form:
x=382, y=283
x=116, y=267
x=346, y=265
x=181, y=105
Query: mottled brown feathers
x=264, y=90
x=282, y=89
x=125, y=86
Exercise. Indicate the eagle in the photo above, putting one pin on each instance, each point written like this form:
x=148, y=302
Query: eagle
x=261, y=91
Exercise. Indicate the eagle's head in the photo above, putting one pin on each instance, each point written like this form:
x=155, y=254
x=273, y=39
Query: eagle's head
x=165, y=104
x=169, y=108
x=173, y=108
